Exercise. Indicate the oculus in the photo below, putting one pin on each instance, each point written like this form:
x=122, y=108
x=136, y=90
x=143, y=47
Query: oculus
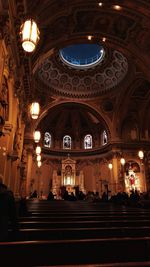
x=82, y=56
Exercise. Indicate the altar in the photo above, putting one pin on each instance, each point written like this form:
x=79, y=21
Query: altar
x=68, y=178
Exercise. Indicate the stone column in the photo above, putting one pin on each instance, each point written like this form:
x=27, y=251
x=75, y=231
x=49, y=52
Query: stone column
x=29, y=172
x=55, y=184
x=81, y=182
x=115, y=180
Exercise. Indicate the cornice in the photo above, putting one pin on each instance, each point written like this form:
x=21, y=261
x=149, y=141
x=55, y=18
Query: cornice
x=108, y=150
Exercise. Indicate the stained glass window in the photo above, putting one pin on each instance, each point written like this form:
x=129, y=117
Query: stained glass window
x=104, y=138
x=47, y=139
x=88, y=141
x=67, y=142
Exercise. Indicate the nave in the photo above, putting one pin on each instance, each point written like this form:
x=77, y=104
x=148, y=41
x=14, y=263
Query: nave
x=79, y=233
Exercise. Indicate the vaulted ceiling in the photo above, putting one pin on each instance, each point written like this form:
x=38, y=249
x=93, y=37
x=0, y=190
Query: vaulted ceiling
x=73, y=119
x=119, y=83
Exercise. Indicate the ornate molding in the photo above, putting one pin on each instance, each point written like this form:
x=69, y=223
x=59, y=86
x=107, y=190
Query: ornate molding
x=7, y=128
x=13, y=156
x=79, y=83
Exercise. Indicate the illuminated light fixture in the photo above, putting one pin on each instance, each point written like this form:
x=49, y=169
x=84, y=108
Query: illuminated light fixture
x=38, y=150
x=35, y=110
x=29, y=35
x=141, y=154
x=37, y=136
x=110, y=166
x=100, y=4
x=89, y=37
x=117, y=7
x=39, y=164
x=38, y=158
x=104, y=39
x=122, y=161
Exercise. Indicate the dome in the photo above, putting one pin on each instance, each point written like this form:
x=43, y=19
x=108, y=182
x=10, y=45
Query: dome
x=74, y=120
x=82, y=81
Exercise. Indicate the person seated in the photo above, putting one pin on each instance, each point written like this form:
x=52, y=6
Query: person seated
x=50, y=196
x=104, y=197
x=23, y=210
x=72, y=197
x=8, y=214
x=81, y=195
x=96, y=197
x=66, y=195
x=34, y=194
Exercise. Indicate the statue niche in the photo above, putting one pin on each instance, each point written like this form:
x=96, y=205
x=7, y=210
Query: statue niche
x=68, y=174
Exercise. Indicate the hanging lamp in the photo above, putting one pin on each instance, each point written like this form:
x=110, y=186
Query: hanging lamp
x=141, y=154
x=29, y=35
x=35, y=110
x=37, y=136
x=38, y=150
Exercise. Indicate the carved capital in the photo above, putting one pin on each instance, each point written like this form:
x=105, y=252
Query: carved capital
x=7, y=128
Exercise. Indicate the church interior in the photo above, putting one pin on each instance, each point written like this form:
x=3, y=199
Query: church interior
x=74, y=98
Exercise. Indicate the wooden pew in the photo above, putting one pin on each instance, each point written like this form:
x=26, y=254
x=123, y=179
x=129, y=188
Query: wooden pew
x=84, y=251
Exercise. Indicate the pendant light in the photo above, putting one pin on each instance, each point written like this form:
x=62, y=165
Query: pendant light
x=29, y=35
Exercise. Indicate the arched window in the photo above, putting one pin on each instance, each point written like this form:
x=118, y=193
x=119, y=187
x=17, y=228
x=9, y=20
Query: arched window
x=104, y=138
x=67, y=142
x=88, y=141
x=47, y=139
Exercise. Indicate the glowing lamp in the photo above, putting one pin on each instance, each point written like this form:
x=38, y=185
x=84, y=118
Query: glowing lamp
x=30, y=35
x=38, y=158
x=39, y=164
x=110, y=166
x=37, y=136
x=89, y=37
x=122, y=161
x=141, y=154
x=117, y=7
x=38, y=150
x=35, y=110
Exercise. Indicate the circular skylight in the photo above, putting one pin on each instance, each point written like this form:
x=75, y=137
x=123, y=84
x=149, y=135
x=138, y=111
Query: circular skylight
x=82, y=56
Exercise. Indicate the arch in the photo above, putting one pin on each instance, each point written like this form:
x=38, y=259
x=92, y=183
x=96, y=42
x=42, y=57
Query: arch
x=94, y=110
x=133, y=165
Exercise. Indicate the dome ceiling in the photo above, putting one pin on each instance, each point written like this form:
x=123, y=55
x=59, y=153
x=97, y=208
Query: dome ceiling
x=116, y=82
x=73, y=119
x=76, y=83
